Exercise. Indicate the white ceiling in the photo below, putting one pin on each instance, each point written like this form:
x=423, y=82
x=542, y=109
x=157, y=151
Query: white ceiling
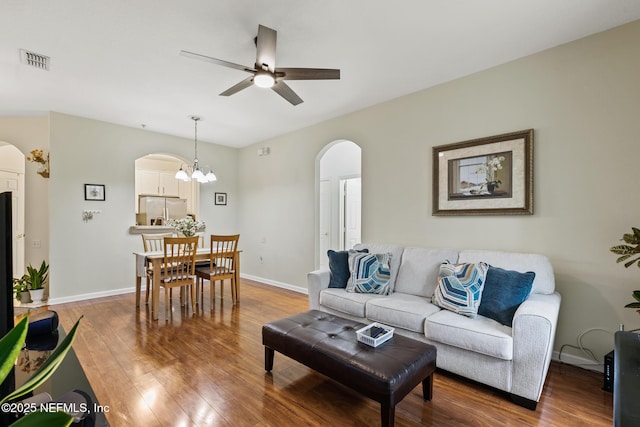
x=118, y=60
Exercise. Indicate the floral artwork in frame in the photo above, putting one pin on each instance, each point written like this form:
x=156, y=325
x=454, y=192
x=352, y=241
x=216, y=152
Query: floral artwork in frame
x=486, y=176
x=94, y=192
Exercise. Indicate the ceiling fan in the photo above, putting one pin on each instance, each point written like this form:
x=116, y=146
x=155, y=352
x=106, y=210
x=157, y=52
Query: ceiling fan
x=264, y=72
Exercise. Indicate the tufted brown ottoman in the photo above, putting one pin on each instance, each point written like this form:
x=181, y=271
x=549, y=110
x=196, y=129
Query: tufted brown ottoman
x=328, y=344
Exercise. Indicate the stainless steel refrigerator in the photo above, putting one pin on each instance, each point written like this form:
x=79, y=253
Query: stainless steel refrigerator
x=155, y=209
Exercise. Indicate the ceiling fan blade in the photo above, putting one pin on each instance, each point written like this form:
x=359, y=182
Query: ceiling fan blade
x=216, y=61
x=308, y=74
x=286, y=92
x=266, y=48
x=238, y=87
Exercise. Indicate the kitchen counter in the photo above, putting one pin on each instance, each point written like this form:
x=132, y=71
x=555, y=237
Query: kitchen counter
x=151, y=229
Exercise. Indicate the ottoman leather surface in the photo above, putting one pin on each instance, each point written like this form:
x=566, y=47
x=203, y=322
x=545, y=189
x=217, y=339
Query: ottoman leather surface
x=328, y=344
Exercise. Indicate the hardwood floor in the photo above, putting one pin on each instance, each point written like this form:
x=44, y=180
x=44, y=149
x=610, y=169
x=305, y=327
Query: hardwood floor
x=208, y=369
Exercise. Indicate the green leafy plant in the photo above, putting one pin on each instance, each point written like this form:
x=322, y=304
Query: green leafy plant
x=630, y=254
x=36, y=277
x=636, y=304
x=20, y=285
x=10, y=346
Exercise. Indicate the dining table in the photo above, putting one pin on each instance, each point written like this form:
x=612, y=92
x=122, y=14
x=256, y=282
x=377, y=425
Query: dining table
x=153, y=260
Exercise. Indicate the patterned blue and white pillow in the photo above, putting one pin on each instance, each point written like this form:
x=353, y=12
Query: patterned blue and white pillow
x=370, y=273
x=460, y=287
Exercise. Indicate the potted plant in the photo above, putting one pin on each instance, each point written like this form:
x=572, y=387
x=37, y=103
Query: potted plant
x=630, y=254
x=10, y=346
x=21, y=289
x=36, y=279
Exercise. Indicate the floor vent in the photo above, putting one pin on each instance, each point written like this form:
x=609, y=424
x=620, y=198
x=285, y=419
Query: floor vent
x=35, y=59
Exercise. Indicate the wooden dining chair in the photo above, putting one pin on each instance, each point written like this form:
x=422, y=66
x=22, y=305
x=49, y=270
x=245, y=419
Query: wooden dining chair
x=151, y=243
x=178, y=267
x=222, y=266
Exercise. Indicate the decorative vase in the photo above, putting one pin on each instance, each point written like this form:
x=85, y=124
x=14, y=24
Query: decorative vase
x=490, y=187
x=37, y=294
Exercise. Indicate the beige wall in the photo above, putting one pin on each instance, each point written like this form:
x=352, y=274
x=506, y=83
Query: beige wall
x=27, y=134
x=95, y=258
x=582, y=99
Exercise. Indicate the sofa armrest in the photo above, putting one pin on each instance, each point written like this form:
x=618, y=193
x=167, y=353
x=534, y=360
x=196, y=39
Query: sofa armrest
x=316, y=281
x=534, y=330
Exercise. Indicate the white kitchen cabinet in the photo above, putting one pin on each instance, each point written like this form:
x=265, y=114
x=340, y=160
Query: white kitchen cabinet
x=157, y=183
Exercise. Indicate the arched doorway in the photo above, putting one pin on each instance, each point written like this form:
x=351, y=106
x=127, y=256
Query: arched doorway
x=339, y=198
x=12, y=166
x=155, y=176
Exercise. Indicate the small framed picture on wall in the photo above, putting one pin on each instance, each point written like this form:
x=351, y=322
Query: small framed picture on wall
x=94, y=192
x=221, y=198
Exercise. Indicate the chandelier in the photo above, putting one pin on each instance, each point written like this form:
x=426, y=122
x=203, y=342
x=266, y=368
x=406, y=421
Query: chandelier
x=194, y=172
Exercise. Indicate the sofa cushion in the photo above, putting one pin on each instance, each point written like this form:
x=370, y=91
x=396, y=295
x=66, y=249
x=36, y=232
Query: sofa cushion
x=401, y=311
x=460, y=287
x=504, y=291
x=339, y=268
x=346, y=302
x=544, y=283
x=481, y=335
x=369, y=273
x=396, y=257
x=418, y=274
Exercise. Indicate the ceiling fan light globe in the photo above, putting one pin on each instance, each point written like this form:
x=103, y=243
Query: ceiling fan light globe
x=264, y=80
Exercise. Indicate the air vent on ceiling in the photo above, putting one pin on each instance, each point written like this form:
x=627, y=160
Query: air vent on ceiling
x=35, y=59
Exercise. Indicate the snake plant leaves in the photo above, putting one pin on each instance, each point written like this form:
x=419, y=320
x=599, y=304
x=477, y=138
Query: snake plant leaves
x=48, y=367
x=10, y=346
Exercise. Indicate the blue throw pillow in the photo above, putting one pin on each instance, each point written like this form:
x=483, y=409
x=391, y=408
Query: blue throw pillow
x=339, y=268
x=504, y=291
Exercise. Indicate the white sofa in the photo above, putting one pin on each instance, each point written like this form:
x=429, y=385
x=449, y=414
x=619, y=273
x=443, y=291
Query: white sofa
x=514, y=359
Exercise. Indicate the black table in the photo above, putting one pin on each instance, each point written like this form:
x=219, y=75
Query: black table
x=68, y=377
x=626, y=379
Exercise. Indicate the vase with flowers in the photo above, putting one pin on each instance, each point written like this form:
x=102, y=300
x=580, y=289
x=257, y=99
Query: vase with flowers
x=37, y=156
x=186, y=226
x=490, y=168
x=630, y=254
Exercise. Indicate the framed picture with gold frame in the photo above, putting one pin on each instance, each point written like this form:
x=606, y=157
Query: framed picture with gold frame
x=485, y=176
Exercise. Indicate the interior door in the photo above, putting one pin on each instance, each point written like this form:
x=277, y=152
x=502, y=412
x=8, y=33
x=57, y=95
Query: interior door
x=14, y=182
x=352, y=211
x=325, y=223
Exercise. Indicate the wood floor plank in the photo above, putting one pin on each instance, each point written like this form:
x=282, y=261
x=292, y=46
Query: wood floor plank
x=206, y=368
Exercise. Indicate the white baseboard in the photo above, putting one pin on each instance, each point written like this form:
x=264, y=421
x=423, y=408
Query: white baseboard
x=82, y=297
x=276, y=284
x=581, y=362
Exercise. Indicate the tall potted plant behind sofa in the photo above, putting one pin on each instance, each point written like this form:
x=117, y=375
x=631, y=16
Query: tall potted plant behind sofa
x=631, y=254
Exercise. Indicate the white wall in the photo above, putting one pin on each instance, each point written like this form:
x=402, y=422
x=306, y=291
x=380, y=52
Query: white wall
x=582, y=99
x=95, y=258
